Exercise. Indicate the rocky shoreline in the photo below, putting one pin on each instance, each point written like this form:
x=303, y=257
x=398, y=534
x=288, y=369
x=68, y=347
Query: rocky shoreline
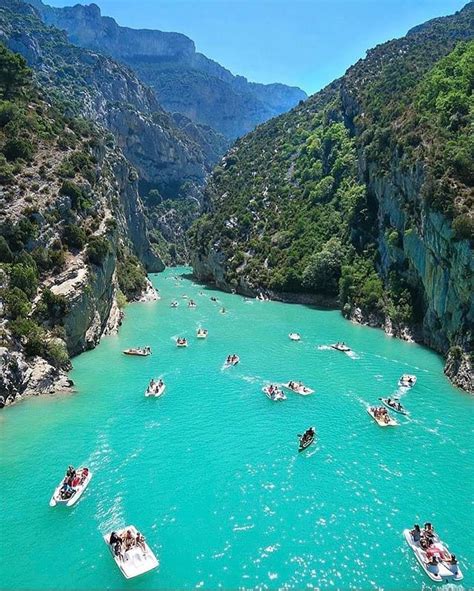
x=22, y=378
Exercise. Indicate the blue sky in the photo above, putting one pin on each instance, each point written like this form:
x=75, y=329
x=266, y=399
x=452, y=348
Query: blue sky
x=305, y=43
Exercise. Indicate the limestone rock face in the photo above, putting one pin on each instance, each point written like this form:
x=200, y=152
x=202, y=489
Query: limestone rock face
x=22, y=377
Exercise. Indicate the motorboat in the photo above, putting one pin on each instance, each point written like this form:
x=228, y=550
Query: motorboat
x=181, y=342
x=407, y=381
x=394, y=404
x=340, y=347
x=138, y=351
x=70, y=489
x=174, y=304
x=273, y=393
x=201, y=333
x=436, y=560
x=232, y=360
x=381, y=416
x=306, y=439
x=137, y=560
x=155, y=389
x=294, y=336
x=298, y=388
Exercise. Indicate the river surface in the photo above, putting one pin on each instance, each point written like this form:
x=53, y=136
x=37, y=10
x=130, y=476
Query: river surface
x=210, y=471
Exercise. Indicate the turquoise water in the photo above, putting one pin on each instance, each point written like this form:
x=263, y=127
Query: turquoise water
x=210, y=472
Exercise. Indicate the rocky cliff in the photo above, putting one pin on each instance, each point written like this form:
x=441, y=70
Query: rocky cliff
x=184, y=81
x=73, y=244
x=167, y=154
x=362, y=193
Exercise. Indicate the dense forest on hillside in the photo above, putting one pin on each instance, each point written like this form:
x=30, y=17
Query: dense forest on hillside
x=339, y=197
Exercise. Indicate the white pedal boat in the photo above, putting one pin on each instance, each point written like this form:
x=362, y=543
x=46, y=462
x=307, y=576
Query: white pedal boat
x=394, y=404
x=57, y=499
x=385, y=421
x=298, y=388
x=174, y=304
x=294, y=336
x=135, y=561
x=232, y=362
x=340, y=347
x=181, y=343
x=138, y=351
x=275, y=395
x=192, y=305
x=441, y=572
x=407, y=381
x=201, y=333
x=156, y=390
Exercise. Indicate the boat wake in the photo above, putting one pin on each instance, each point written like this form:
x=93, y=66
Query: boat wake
x=352, y=354
x=323, y=348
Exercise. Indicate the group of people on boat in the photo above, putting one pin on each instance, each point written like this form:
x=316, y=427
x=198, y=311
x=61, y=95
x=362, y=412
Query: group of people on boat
x=296, y=386
x=307, y=436
x=380, y=413
x=155, y=386
x=181, y=341
x=232, y=359
x=436, y=552
x=275, y=393
x=395, y=404
x=71, y=481
x=191, y=304
x=125, y=541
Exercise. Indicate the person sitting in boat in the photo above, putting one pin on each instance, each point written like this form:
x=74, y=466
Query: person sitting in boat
x=160, y=383
x=452, y=564
x=416, y=533
x=128, y=540
x=428, y=531
x=140, y=541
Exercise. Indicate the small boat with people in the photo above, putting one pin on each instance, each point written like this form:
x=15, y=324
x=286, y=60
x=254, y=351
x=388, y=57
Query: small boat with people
x=381, y=416
x=298, y=388
x=138, y=351
x=155, y=388
x=433, y=554
x=174, y=304
x=407, y=381
x=262, y=297
x=294, y=336
x=181, y=342
x=71, y=487
x=131, y=552
x=306, y=439
x=192, y=304
x=394, y=404
x=201, y=333
x=340, y=347
x=273, y=393
x=232, y=360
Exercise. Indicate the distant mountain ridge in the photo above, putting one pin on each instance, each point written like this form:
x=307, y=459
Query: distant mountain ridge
x=185, y=81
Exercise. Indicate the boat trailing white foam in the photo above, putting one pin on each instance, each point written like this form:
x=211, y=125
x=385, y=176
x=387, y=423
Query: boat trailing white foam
x=273, y=393
x=71, y=487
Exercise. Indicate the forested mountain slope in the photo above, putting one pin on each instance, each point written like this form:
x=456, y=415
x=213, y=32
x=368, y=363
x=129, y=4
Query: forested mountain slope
x=72, y=235
x=185, y=81
x=362, y=195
